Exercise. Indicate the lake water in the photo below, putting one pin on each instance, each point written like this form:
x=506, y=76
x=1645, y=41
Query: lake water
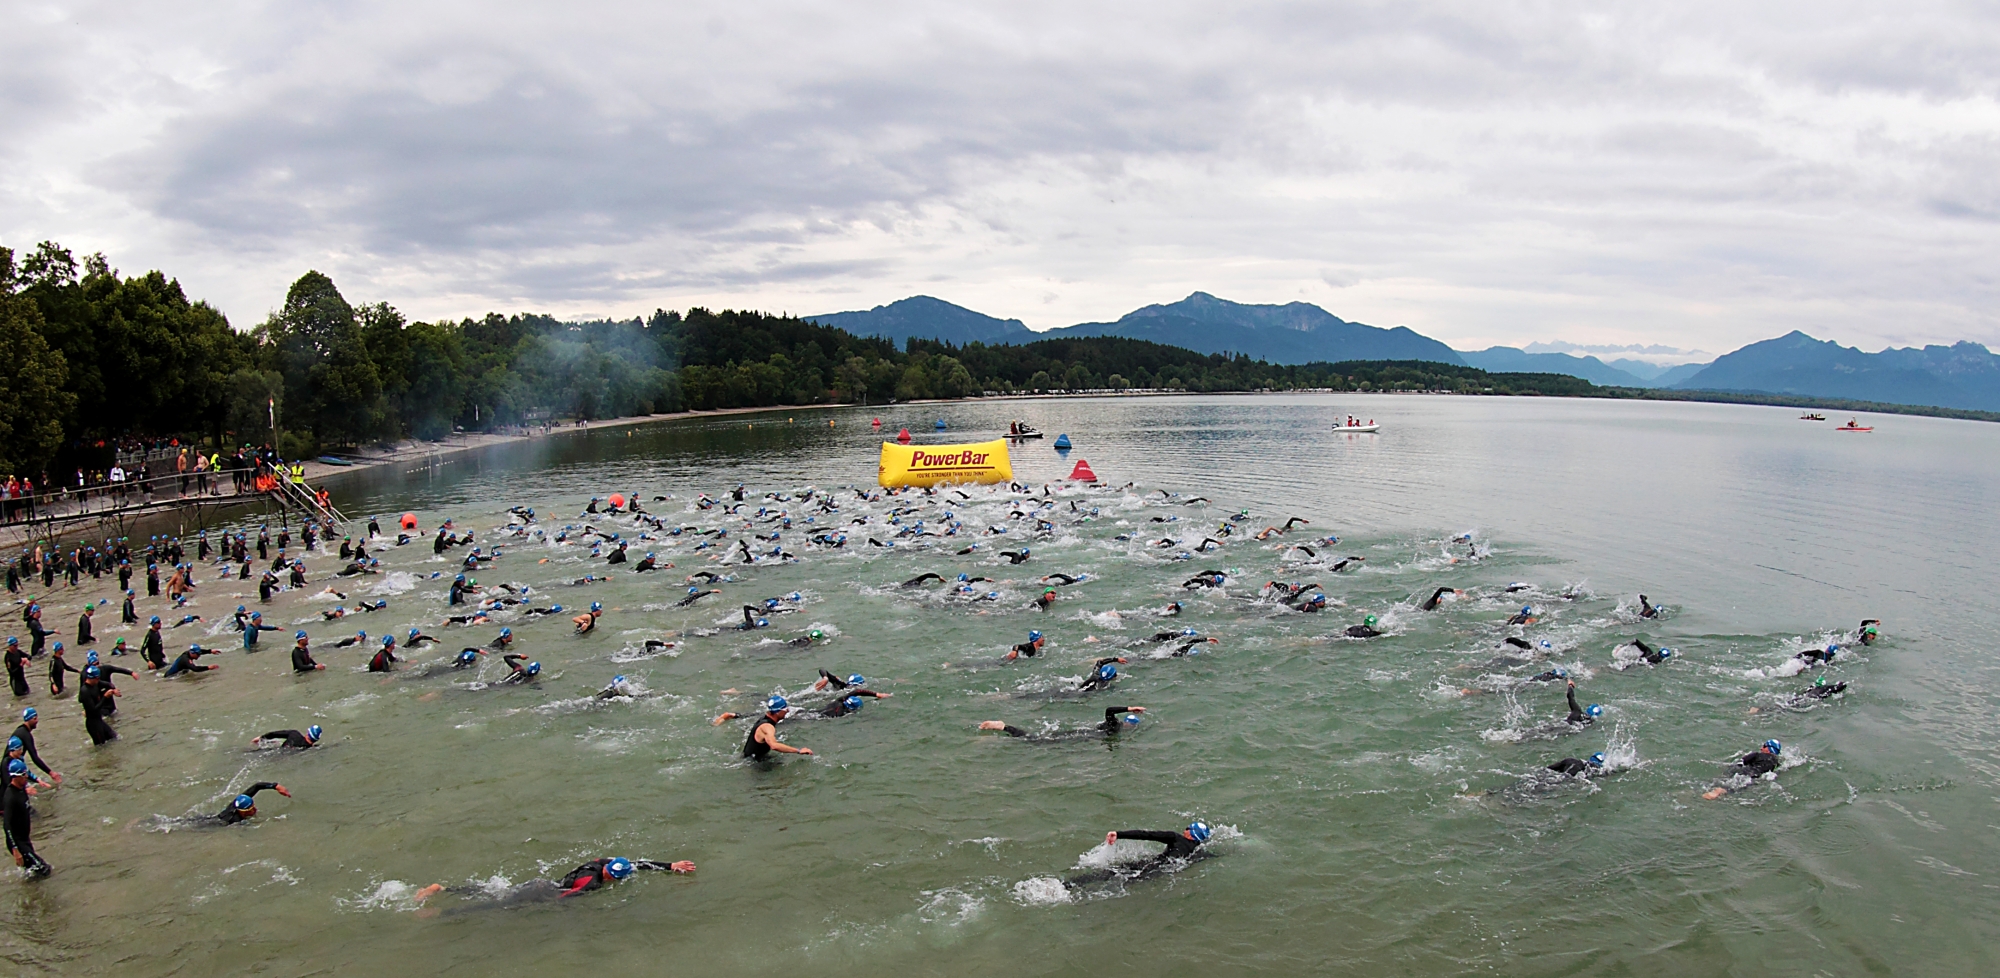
x=1368, y=798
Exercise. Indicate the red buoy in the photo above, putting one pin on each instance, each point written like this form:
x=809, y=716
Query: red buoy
x=903, y=436
x=877, y=422
x=617, y=500
x=409, y=521
x=1082, y=472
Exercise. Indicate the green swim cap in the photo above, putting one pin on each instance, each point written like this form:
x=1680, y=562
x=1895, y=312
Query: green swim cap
x=816, y=634
x=1370, y=620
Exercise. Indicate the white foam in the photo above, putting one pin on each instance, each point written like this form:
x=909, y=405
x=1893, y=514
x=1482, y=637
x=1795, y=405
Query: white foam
x=395, y=582
x=1041, y=891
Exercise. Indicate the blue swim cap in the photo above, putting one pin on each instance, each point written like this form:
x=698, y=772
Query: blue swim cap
x=1107, y=671
x=258, y=615
x=14, y=743
x=1034, y=636
x=1199, y=831
x=90, y=657
x=555, y=607
x=853, y=702
x=618, y=868
x=963, y=576
x=1774, y=747
x=413, y=634
x=240, y=609
x=156, y=620
x=1597, y=759
x=29, y=714
x=243, y=803
x=1594, y=710
x=313, y=732
x=1546, y=645
x=506, y=633
x=1666, y=653
x=649, y=555
x=776, y=703
x=92, y=672
x=301, y=633
x=17, y=768
x=534, y=668
x=388, y=640
x=1131, y=718
x=856, y=680
x=597, y=606
x=468, y=656
x=1561, y=672
x=693, y=588
x=1527, y=609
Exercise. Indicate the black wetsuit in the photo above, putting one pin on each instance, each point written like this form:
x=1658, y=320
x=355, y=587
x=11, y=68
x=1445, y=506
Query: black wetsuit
x=1431, y=603
x=58, y=666
x=92, y=698
x=1756, y=764
x=1362, y=631
x=1111, y=726
x=28, y=745
x=292, y=738
x=1571, y=766
x=1822, y=692
x=230, y=816
x=1648, y=653
x=921, y=578
x=302, y=660
x=383, y=660
x=185, y=662
x=1576, y=716
x=697, y=596
x=1180, y=849
x=1014, y=558
x=17, y=673
x=839, y=707
x=14, y=817
x=752, y=747
x=1096, y=680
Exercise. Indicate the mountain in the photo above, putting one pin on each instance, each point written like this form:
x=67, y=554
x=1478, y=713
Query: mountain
x=1964, y=375
x=1506, y=359
x=1642, y=369
x=923, y=317
x=1675, y=375
x=1297, y=332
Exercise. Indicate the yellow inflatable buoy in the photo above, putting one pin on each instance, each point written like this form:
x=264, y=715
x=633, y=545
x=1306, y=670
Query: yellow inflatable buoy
x=929, y=465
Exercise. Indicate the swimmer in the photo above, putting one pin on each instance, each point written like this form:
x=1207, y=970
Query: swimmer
x=417, y=639
x=920, y=579
x=647, y=563
x=1115, y=722
x=1818, y=657
x=588, y=579
x=1031, y=648
x=352, y=640
x=1870, y=630
x=803, y=641
x=1431, y=603
x=521, y=670
x=1651, y=655
x=1764, y=760
x=385, y=657
x=1064, y=580
x=1183, y=847
x=763, y=738
x=1580, y=717
x=619, y=687
x=25, y=733
x=1345, y=562
x=1820, y=689
x=593, y=875
x=1646, y=609
x=695, y=594
x=467, y=657
x=1047, y=598
x=1366, y=629
x=16, y=818
x=709, y=577
x=587, y=621
x=302, y=660
x=1103, y=674
x=288, y=739
x=1172, y=610
x=1014, y=557
x=1526, y=617
x=1192, y=647
x=185, y=662
x=244, y=808
x=372, y=605
x=1578, y=767
x=1206, y=579
x=1550, y=676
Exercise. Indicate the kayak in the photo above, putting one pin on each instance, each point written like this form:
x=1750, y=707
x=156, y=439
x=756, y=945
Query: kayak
x=330, y=460
x=1849, y=427
x=1358, y=429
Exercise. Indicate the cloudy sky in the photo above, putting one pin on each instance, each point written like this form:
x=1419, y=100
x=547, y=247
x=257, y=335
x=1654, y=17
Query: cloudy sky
x=1671, y=175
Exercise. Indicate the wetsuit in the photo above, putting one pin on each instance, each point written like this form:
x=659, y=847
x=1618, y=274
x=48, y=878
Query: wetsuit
x=92, y=698
x=1756, y=764
x=840, y=707
x=921, y=578
x=302, y=660
x=1431, y=603
x=1362, y=631
x=696, y=596
x=753, y=748
x=1062, y=579
x=17, y=673
x=1577, y=717
x=1096, y=681
x=1027, y=649
x=1046, y=599
x=1111, y=726
x=1014, y=558
x=1571, y=766
x=383, y=660
x=19, y=830
x=230, y=816
x=1180, y=849
x=27, y=737
x=152, y=649
x=1648, y=653
x=185, y=662
x=292, y=738
x=56, y=669
x=1814, y=692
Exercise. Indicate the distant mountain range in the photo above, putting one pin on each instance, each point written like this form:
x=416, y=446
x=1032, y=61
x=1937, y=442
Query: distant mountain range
x=1965, y=375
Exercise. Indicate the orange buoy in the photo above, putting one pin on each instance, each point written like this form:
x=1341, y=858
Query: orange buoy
x=409, y=521
x=617, y=500
x=1082, y=472
x=903, y=436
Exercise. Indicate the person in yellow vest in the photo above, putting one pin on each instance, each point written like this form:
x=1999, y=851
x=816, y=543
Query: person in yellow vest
x=298, y=474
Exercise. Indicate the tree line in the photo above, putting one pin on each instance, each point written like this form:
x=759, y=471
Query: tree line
x=93, y=360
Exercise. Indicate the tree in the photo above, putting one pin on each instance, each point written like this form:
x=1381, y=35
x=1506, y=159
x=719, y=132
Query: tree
x=250, y=399
x=32, y=374
x=330, y=380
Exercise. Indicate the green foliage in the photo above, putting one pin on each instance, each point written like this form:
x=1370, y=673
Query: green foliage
x=32, y=374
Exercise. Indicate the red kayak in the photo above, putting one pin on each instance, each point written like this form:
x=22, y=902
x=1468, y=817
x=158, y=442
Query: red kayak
x=1849, y=427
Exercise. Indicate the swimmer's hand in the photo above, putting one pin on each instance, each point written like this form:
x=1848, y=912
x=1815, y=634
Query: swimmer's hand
x=991, y=725
x=1110, y=838
x=683, y=866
